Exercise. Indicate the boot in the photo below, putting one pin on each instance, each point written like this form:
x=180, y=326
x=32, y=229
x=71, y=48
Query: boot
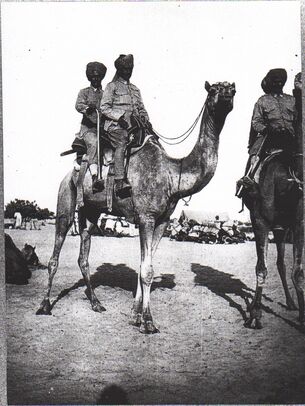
x=122, y=188
x=98, y=185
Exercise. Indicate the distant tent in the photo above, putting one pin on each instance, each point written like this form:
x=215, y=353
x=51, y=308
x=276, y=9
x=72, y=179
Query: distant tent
x=203, y=217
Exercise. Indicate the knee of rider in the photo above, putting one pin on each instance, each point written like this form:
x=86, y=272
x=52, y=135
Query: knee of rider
x=85, y=158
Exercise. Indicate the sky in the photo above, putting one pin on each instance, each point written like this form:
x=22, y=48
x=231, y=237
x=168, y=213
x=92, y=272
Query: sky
x=177, y=46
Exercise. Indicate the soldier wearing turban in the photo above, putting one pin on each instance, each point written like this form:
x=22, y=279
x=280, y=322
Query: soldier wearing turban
x=274, y=114
x=88, y=101
x=121, y=100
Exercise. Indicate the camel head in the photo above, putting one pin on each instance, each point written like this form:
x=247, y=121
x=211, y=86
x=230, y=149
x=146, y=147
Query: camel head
x=220, y=98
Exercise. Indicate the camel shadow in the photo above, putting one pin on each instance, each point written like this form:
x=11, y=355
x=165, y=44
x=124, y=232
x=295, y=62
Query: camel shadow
x=223, y=285
x=117, y=276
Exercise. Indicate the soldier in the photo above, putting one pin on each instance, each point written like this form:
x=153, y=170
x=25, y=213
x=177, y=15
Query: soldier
x=120, y=101
x=273, y=126
x=88, y=101
x=275, y=115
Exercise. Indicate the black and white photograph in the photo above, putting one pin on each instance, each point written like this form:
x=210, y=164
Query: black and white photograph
x=152, y=203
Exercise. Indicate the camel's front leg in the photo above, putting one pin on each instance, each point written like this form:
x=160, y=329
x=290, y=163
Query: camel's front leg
x=261, y=240
x=85, y=230
x=136, y=311
x=147, y=227
x=297, y=271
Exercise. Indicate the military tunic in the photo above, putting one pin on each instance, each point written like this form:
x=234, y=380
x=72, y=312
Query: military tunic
x=275, y=115
x=87, y=97
x=121, y=98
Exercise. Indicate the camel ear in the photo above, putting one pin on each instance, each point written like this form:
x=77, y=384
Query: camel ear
x=233, y=85
x=207, y=86
x=25, y=245
x=34, y=248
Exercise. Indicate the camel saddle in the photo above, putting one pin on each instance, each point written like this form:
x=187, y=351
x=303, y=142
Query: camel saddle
x=288, y=159
x=138, y=136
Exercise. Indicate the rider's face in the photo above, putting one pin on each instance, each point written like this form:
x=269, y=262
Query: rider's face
x=277, y=84
x=96, y=80
x=125, y=73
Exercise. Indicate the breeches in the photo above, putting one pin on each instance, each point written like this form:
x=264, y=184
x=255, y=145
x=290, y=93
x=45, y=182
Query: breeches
x=119, y=139
x=90, y=139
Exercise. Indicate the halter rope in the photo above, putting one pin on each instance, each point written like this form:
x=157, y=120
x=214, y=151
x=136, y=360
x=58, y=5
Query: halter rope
x=186, y=134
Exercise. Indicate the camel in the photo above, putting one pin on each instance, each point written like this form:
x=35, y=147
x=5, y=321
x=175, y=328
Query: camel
x=16, y=264
x=278, y=198
x=158, y=182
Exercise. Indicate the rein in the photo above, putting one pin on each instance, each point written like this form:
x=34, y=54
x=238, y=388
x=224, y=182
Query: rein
x=183, y=136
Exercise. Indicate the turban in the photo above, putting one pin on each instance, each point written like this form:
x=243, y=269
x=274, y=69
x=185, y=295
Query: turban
x=124, y=61
x=271, y=76
x=97, y=67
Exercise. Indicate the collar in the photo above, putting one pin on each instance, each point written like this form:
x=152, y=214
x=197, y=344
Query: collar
x=96, y=89
x=126, y=82
x=276, y=95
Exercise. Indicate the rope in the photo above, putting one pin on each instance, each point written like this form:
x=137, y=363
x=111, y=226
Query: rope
x=186, y=134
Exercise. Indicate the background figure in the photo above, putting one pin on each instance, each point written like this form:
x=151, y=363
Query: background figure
x=18, y=220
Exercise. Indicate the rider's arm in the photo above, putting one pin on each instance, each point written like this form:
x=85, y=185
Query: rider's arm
x=258, y=120
x=141, y=109
x=81, y=104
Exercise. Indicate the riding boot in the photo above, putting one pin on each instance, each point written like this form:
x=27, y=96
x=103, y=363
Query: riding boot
x=98, y=185
x=122, y=188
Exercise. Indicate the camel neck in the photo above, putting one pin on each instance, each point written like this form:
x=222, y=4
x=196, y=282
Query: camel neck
x=198, y=167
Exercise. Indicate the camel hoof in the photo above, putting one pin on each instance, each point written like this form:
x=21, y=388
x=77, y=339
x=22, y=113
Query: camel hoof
x=44, y=309
x=248, y=322
x=258, y=324
x=291, y=306
x=147, y=327
x=135, y=319
x=97, y=307
x=253, y=323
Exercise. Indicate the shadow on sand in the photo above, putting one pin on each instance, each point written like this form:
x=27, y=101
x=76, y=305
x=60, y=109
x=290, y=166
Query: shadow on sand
x=113, y=395
x=117, y=276
x=223, y=285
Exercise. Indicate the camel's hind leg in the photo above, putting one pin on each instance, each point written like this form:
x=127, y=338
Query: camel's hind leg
x=261, y=240
x=85, y=231
x=64, y=218
x=279, y=237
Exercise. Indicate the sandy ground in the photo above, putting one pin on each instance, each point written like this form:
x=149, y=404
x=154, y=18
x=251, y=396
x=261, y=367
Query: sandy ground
x=203, y=353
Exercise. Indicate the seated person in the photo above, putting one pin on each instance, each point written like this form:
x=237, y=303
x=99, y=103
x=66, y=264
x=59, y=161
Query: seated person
x=88, y=101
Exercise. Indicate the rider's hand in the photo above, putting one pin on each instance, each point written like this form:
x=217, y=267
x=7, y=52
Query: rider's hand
x=91, y=109
x=123, y=123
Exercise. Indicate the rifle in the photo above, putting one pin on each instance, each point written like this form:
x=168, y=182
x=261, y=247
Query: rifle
x=254, y=166
x=98, y=145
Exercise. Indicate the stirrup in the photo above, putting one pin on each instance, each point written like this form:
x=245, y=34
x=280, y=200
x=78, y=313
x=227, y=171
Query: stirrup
x=122, y=189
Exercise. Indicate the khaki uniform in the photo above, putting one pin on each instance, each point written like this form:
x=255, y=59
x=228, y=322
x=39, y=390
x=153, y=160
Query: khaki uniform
x=275, y=115
x=88, y=131
x=120, y=98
